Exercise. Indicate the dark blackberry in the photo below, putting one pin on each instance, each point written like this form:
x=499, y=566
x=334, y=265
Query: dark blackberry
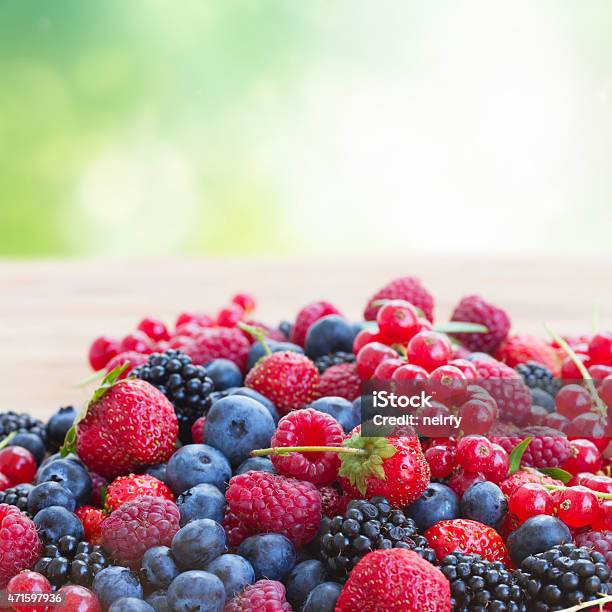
x=186, y=385
x=11, y=421
x=327, y=361
x=71, y=561
x=536, y=376
x=364, y=527
x=562, y=577
x=17, y=496
x=477, y=584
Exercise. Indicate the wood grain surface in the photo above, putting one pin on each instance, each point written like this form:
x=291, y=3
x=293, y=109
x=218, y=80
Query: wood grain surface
x=51, y=310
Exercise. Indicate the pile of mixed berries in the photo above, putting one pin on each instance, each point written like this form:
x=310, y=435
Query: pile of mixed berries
x=221, y=465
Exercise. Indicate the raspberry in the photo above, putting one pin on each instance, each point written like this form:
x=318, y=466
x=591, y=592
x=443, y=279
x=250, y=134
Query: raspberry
x=264, y=503
x=139, y=525
x=197, y=430
x=601, y=541
x=473, y=309
x=98, y=486
x=127, y=488
x=308, y=427
x=92, y=519
x=132, y=358
x=268, y=595
x=548, y=447
x=519, y=348
x=219, y=343
x=307, y=316
x=332, y=501
x=30, y=583
x=512, y=483
x=406, y=288
x=19, y=543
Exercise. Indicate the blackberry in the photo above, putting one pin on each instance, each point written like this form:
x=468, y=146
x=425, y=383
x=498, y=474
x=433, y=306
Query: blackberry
x=327, y=361
x=562, y=577
x=536, y=376
x=17, y=496
x=364, y=527
x=11, y=421
x=477, y=584
x=71, y=561
x=186, y=385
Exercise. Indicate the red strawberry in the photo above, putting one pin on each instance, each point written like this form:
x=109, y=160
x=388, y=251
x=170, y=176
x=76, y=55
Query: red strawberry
x=467, y=536
x=406, y=288
x=395, y=580
x=289, y=380
x=127, y=488
x=521, y=349
x=92, y=519
x=127, y=424
x=307, y=316
x=219, y=343
x=341, y=380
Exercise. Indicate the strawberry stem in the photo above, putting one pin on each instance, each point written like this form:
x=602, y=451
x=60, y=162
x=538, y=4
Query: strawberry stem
x=599, y=494
x=285, y=450
x=258, y=333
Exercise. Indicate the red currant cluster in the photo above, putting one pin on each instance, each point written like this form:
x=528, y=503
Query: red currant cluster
x=594, y=352
x=17, y=466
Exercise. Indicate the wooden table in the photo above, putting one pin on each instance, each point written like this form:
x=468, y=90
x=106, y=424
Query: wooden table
x=50, y=311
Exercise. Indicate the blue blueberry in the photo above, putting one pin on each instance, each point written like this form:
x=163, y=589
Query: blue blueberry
x=255, y=464
x=484, y=502
x=200, y=502
x=196, y=591
x=158, y=568
x=236, y=426
x=115, y=582
x=198, y=543
x=234, y=571
x=31, y=442
x=70, y=456
x=304, y=577
x=194, y=464
x=158, y=471
x=346, y=413
x=59, y=424
x=50, y=494
x=323, y=598
x=329, y=334
x=70, y=474
x=130, y=604
x=224, y=373
x=158, y=600
x=258, y=351
x=262, y=399
x=272, y=555
x=537, y=534
x=539, y=397
x=438, y=503
x=54, y=522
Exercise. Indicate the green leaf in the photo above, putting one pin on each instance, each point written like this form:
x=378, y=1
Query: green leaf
x=557, y=474
x=517, y=454
x=460, y=327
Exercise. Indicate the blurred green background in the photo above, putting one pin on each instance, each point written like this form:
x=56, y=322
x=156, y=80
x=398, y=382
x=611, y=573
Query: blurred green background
x=340, y=127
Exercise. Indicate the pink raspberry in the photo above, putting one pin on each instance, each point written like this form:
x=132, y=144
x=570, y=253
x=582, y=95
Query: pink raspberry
x=473, y=309
x=20, y=545
x=264, y=595
x=406, y=288
x=340, y=381
x=601, y=541
x=548, y=447
x=307, y=316
x=219, y=343
x=266, y=503
x=98, y=484
x=139, y=525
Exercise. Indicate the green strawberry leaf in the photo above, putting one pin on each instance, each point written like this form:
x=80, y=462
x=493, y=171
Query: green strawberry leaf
x=516, y=455
x=6, y=440
x=460, y=327
x=557, y=474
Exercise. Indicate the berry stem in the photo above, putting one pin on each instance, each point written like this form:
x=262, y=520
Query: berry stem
x=285, y=450
x=7, y=439
x=599, y=494
x=258, y=333
x=589, y=604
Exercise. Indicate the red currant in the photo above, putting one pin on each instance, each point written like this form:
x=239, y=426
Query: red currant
x=201, y=319
x=605, y=391
x=594, y=482
x=467, y=367
x=474, y=453
x=101, y=351
x=555, y=420
x=589, y=426
x=434, y=421
x=154, y=329
x=397, y=321
x=17, y=464
x=572, y=400
x=584, y=457
x=603, y=518
x=462, y=480
x=245, y=301
x=385, y=369
x=600, y=348
x=477, y=417
x=27, y=582
x=537, y=415
x=429, y=349
x=441, y=460
x=5, y=483
x=447, y=383
x=577, y=506
x=410, y=371
x=569, y=371
x=136, y=341
x=77, y=598
x=370, y=356
x=425, y=324
x=230, y=316
x=498, y=465
x=530, y=500
x=365, y=336
x=599, y=371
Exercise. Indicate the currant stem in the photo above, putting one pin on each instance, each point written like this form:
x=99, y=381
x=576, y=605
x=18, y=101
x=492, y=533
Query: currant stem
x=599, y=494
x=285, y=450
x=7, y=439
x=258, y=333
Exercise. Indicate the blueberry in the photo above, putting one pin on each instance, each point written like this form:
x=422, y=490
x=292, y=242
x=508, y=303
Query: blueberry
x=115, y=582
x=262, y=399
x=158, y=568
x=200, y=502
x=194, y=464
x=236, y=426
x=539, y=397
x=537, y=534
x=50, y=494
x=196, y=591
x=438, y=503
x=323, y=598
x=70, y=456
x=258, y=351
x=272, y=555
x=158, y=471
x=54, y=522
x=304, y=577
x=198, y=543
x=484, y=502
x=348, y=414
x=158, y=600
x=329, y=334
x=255, y=464
x=234, y=571
x=31, y=442
x=59, y=424
x=70, y=474
x=130, y=604
x=224, y=374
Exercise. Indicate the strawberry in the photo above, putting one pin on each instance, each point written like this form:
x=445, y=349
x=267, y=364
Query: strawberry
x=92, y=519
x=286, y=378
x=467, y=536
x=521, y=349
x=127, y=488
x=395, y=580
x=219, y=343
x=126, y=425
